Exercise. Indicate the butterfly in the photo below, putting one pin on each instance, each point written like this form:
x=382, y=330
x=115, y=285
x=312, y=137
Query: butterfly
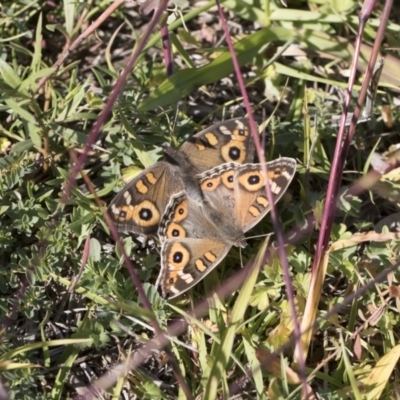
x=139, y=206
x=196, y=236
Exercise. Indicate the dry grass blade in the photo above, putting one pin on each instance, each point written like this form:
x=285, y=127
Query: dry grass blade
x=375, y=383
x=316, y=287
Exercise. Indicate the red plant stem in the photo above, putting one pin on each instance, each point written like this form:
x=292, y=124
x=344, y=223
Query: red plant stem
x=68, y=49
x=274, y=214
x=179, y=327
x=371, y=65
x=166, y=44
x=366, y=10
x=231, y=285
x=342, y=143
x=93, y=136
x=94, y=133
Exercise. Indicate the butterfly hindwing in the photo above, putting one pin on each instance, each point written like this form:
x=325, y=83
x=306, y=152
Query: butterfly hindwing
x=185, y=263
x=191, y=245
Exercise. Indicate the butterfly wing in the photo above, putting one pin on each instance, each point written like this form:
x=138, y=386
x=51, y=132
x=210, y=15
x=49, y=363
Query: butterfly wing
x=251, y=202
x=186, y=262
x=197, y=236
x=191, y=245
x=218, y=188
x=139, y=206
x=228, y=141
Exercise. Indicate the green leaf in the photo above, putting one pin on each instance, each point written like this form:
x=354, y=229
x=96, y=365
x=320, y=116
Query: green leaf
x=9, y=75
x=255, y=368
x=142, y=154
x=22, y=146
x=69, y=9
x=183, y=82
x=73, y=100
x=240, y=307
x=31, y=81
x=22, y=112
x=95, y=249
x=34, y=133
x=37, y=54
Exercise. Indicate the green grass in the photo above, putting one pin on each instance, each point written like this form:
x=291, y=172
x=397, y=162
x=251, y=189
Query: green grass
x=69, y=312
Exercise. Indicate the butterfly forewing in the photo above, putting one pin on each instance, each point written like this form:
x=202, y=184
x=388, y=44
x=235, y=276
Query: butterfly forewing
x=228, y=141
x=141, y=203
x=139, y=206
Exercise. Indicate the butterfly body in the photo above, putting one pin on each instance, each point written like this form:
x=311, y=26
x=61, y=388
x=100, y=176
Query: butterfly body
x=139, y=206
x=195, y=238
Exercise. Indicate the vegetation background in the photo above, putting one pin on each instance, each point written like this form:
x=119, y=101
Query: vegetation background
x=69, y=312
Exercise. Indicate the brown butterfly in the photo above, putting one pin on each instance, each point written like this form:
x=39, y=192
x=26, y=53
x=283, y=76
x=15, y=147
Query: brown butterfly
x=197, y=236
x=139, y=206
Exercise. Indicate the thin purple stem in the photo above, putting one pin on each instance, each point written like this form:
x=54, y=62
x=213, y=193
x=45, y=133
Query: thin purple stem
x=232, y=284
x=94, y=133
x=274, y=214
x=342, y=143
x=166, y=43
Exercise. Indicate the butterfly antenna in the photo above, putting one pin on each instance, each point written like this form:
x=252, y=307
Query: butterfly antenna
x=259, y=236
